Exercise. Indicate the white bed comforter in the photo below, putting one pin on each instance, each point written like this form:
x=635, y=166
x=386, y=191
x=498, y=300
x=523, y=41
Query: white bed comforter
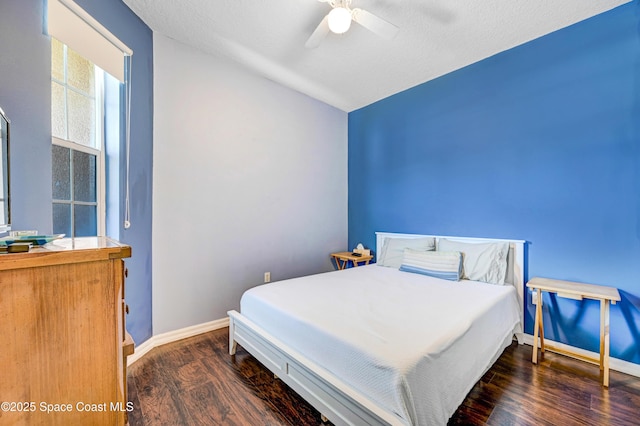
x=412, y=344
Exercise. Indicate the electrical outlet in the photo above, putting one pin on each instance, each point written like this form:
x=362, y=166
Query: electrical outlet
x=267, y=277
x=534, y=297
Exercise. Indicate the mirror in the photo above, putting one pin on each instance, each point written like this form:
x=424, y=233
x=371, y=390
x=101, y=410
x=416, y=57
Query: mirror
x=5, y=211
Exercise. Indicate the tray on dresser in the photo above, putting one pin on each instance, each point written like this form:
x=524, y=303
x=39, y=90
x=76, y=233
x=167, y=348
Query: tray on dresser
x=36, y=240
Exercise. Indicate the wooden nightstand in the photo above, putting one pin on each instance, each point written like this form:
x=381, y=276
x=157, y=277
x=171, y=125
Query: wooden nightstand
x=344, y=257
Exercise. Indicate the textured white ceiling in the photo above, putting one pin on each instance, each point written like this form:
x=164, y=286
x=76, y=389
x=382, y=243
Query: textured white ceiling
x=357, y=68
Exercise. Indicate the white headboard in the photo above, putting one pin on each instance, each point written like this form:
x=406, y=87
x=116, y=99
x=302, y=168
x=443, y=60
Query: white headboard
x=515, y=259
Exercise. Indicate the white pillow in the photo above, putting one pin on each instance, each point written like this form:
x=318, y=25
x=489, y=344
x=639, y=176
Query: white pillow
x=486, y=262
x=393, y=249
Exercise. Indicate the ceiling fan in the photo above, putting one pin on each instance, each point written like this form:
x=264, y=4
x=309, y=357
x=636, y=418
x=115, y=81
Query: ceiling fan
x=338, y=21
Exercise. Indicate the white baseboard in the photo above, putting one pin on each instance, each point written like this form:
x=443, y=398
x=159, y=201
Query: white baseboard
x=175, y=335
x=614, y=363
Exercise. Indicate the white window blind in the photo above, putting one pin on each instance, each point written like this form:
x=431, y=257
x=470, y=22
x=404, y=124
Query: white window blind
x=70, y=24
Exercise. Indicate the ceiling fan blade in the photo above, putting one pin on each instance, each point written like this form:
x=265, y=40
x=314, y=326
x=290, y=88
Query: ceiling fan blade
x=319, y=34
x=375, y=24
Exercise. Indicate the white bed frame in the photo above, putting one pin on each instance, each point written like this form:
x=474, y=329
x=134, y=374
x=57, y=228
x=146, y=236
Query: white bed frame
x=338, y=402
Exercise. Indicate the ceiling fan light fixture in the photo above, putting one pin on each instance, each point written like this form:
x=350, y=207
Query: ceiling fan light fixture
x=339, y=20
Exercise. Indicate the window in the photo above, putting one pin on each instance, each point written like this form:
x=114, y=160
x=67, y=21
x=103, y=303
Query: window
x=90, y=121
x=78, y=162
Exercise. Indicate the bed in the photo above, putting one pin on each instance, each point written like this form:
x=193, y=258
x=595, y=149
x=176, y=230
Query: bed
x=387, y=345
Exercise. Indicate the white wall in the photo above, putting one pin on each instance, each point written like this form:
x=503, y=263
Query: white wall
x=249, y=176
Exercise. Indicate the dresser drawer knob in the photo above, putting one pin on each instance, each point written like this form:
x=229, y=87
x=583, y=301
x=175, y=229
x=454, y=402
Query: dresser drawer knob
x=126, y=272
x=126, y=308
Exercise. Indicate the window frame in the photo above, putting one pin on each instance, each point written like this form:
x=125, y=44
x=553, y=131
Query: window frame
x=99, y=142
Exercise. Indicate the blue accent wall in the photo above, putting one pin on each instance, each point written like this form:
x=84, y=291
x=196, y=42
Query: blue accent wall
x=540, y=143
x=25, y=96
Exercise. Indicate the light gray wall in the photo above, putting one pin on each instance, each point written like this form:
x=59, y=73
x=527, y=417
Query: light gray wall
x=25, y=96
x=249, y=176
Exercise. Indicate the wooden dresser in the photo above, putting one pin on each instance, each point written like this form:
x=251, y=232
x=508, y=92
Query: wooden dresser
x=62, y=334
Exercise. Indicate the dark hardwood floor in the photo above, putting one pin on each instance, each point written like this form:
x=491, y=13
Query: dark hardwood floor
x=196, y=382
